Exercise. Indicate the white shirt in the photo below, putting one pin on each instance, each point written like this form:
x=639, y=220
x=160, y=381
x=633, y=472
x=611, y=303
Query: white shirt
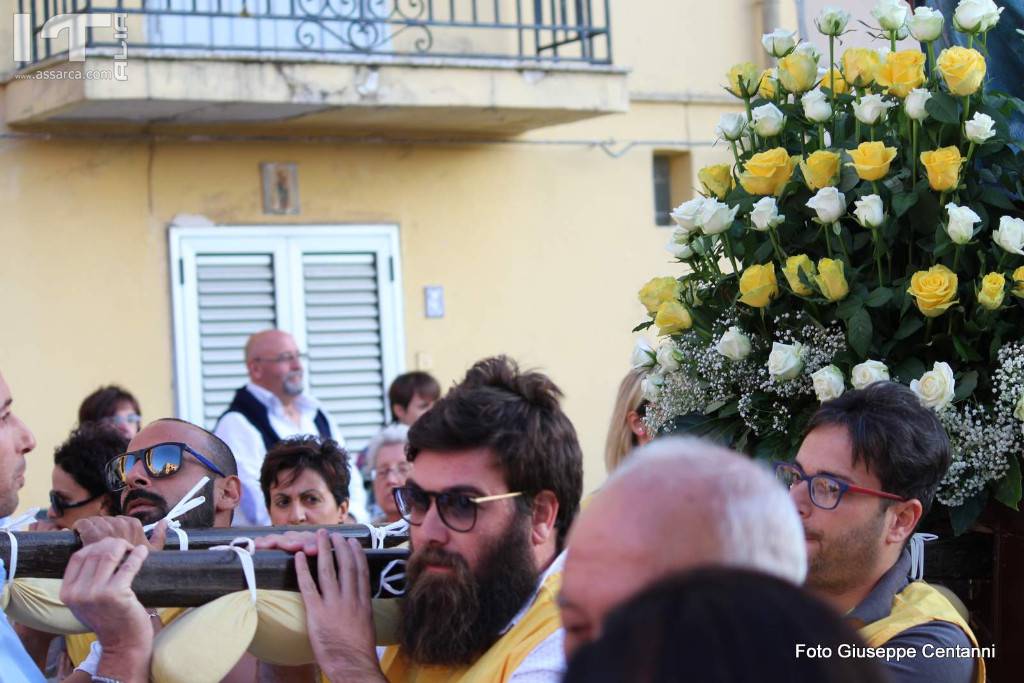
x=246, y=443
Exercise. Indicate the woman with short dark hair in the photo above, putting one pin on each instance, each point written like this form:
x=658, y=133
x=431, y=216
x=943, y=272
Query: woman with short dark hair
x=305, y=481
x=112, y=406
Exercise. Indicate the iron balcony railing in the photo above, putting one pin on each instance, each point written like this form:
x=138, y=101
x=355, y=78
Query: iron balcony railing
x=532, y=31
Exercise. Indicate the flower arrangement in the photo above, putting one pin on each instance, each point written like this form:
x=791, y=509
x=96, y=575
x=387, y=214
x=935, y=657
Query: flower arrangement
x=869, y=229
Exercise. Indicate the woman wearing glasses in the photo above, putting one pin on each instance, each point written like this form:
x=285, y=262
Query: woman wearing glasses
x=389, y=467
x=305, y=481
x=114, y=407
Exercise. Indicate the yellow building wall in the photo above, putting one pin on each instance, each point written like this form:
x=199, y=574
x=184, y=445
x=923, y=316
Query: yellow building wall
x=540, y=243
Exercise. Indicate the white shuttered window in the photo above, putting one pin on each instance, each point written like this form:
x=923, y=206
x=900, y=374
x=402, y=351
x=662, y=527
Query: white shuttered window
x=336, y=290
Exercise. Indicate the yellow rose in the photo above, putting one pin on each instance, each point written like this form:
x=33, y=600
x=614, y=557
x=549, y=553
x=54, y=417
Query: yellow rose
x=657, y=291
x=962, y=68
x=841, y=85
x=821, y=169
x=934, y=289
x=832, y=280
x=860, y=64
x=717, y=179
x=871, y=160
x=1018, y=282
x=993, y=288
x=943, y=166
x=758, y=285
x=768, y=172
x=902, y=72
x=672, y=318
x=798, y=72
x=769, y=85
x=795, y=264
x=743, y=79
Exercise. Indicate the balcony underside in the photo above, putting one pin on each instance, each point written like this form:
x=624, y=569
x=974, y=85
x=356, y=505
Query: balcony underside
x=398, y=96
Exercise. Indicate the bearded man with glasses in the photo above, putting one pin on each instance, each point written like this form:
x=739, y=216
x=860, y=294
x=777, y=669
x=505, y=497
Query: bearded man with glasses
x=496, y=484
x=865, y=474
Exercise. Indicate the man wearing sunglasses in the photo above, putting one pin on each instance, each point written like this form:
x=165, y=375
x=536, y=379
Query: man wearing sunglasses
x=497, y=481
x=274, y=406
x=865, y=474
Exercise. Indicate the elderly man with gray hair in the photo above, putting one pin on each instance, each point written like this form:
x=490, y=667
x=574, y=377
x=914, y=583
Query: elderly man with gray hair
x=675, y=504
x=389, y=468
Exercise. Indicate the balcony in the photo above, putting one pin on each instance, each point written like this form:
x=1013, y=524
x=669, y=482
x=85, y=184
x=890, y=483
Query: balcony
x=489, y=67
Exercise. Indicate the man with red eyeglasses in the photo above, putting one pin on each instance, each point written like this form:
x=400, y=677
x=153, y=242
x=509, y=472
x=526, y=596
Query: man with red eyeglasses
x=865, y=474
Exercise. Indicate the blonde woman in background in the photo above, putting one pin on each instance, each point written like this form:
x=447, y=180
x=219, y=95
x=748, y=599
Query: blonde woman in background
x=627, y=430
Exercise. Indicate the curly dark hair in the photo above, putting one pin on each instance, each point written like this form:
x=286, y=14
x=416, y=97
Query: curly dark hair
x=517, y=416
x=84, y=456
x=300, y=453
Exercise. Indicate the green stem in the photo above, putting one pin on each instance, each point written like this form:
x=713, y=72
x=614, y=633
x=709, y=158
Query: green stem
x=828, y=240
x=956, y=257
x=931, y=63
x=878, y=256
x=892, y=40
x=728, y=250
x=928, y=328
x=967, y=107
x=779, y=252
x=842, y=243
x=832, y=83
x=874, y=187
x=871, y=132
x=735, y=154
x=821, y=136
x=970, y=41
x=913, y=156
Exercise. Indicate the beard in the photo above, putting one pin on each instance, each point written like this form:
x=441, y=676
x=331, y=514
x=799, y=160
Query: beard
x=292, y=384
x=842, y=562
x=199, y=517
x=451, y=618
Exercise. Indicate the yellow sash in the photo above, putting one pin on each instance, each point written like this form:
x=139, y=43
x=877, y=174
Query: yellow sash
x=918, y=604
x=78, y=644
x=501, y=660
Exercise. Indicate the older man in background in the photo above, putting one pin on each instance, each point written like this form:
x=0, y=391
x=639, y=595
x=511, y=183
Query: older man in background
x=274, y=406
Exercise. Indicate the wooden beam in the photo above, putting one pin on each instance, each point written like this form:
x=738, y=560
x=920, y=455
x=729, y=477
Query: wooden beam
x=45, y=554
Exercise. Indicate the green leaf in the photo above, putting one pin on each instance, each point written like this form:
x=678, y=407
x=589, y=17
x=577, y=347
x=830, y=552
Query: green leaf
x=848, y=177
x=908, y=327
x=910, y=369
x=902, y=202
x=965, y=352
x=849, y=307
x=994, y=197
x=964, y=517
x=643, y=326
x=878, y=297
x=1008, y=489
x=859, y=332
x=943, y=108
x=965, y=387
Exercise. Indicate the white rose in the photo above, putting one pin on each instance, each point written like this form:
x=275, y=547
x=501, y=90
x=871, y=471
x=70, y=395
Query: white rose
x=869, y=212
x=734, y=345
x=765, y=214
x=926, y=24
x=1018, y=411
x=828, y=383
x=768, y=120
x=914, y=104
x=960, y=227
x=816, y=106
x=829, y=203
x=680, y=250
x=668, y=358
x=980, y=128
x=643, y=355
x=867, y=373
x=685, y=215
x=650, y=386
x=935, y=388
x=891, y=14
x=731, y=126
x=808, y=49
x=976, y=16
x=1010, y=235
x=716, y=217
x=779, y=42
x=832, y=21
x=785, y=361
x=871, y=108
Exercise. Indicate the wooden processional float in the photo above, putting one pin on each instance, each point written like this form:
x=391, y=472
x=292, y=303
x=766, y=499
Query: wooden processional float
x=199, y=575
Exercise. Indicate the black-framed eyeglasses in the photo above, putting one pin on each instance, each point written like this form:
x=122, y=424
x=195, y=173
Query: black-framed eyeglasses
x=60, y=506
x=287, y=357
x=160, y=460
x=457, y=509
x=825, y=491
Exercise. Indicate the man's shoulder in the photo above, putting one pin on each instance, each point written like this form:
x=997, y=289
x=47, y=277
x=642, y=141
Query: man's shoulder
x=939, y=648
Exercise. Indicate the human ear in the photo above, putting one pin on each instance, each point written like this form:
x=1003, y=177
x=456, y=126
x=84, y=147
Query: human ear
x=543, y=517
x=904, y=519
x=230, y=493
